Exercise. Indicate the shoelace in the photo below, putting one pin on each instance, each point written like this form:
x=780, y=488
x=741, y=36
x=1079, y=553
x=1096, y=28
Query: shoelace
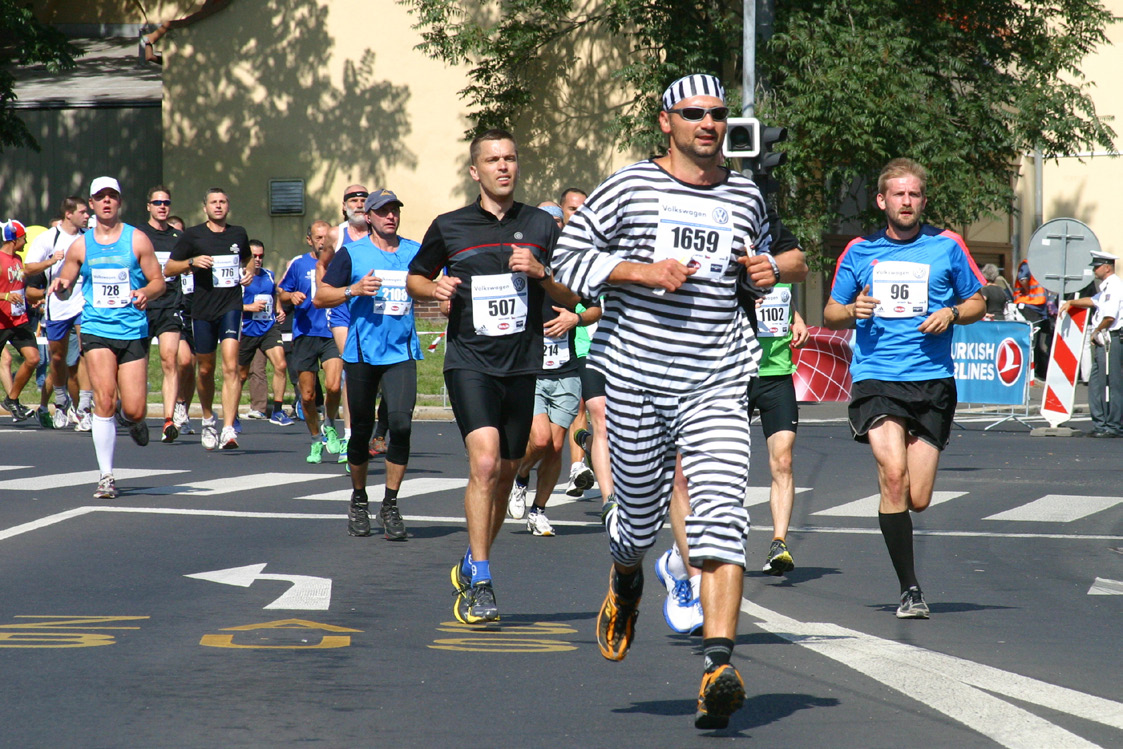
x=683, y=592
x=391, y=514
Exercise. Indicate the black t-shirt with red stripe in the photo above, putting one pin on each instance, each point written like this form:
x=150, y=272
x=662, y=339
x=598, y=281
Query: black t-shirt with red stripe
x=471, y=242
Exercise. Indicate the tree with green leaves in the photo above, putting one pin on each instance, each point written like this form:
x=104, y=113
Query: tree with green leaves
x=963, y=86
x=25, y=41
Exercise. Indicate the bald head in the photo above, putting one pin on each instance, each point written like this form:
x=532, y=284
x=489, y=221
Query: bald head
x=317, y=235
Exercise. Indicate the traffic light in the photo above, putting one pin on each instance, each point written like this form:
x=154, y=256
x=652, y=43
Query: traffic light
x=742, y=138
x=766, y=159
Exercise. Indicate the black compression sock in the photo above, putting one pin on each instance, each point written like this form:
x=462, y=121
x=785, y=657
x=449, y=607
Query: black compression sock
x=896, y=528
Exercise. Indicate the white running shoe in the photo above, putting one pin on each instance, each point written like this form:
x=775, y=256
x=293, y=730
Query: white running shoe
x=209, y=436
x=60, y=418
x=229, y=440
x=85, y=421
x=581, y=479
x=682, y=610
x=180, y=418
x=538, y=525
x=516, y=501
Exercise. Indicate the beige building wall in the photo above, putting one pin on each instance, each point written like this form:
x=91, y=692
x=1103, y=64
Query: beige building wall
x=1086, y=187
x=334, y=93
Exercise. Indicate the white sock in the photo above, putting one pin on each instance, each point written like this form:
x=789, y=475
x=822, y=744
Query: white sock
x=347, y=433
x=85, y=399
x=676, y=566
x=105, y=437
x=696, y=586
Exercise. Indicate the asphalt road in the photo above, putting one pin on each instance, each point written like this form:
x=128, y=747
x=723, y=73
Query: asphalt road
x=220, y=602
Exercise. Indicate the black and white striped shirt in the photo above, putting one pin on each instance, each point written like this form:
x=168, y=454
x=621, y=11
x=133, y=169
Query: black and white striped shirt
x=674, y=342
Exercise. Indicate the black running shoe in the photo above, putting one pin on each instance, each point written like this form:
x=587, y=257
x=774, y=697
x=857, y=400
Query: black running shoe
x=479, y=604
x=722, y=693
x=358, y=519
x=779, y=559
x=171, y=431
x=138, y=430
x=393, y=526
x=912, y=605
x=18, y=411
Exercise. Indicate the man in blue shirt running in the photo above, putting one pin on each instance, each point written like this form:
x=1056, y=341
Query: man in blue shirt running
x=381, y=349
x=902, y=289
x=119, y=274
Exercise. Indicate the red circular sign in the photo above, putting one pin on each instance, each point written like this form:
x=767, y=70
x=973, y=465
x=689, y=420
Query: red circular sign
x=1009, y=362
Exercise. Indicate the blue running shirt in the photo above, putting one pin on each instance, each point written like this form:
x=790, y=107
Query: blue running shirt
x=912, y=279
x=306, y=319
x=109, y=275
x=382, y=329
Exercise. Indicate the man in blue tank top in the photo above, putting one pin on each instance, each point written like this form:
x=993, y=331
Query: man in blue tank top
x=902, y=289
x=119, y=274
x=369, y=277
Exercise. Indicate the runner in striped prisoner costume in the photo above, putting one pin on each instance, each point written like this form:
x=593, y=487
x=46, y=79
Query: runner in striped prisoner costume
x=663, y=240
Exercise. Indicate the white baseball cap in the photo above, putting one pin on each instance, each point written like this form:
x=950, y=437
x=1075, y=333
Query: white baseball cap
x=103, y=183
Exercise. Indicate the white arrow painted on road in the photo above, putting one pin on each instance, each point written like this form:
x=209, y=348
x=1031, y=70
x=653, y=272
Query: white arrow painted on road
x=307, y=593
x=1104, y=587
x=961, y=689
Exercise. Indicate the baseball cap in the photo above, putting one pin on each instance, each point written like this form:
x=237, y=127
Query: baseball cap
x=102, y=183
x=1101, y=258
x=379, y=198
x=13, y=230
x=553, y=210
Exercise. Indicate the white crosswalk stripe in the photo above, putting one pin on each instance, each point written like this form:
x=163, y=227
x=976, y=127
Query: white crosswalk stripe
x=866, y=507
x=234, y=484
x=410, y=488
x=1057, y=508
x=78, y=478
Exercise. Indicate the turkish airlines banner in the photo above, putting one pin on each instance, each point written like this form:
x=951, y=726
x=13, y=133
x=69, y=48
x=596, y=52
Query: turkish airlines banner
x=991, y=362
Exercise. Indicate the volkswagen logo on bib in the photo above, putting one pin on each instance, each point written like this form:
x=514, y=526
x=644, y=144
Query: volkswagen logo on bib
x=519, y=282
x=1008, y=362
x=720, y=215
x=122, y=276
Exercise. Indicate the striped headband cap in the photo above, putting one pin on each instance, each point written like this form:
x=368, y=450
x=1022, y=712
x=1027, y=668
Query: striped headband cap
x=698, y=84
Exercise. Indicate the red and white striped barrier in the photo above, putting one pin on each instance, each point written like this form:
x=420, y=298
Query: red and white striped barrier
x=436, y=341
x=1064, y=364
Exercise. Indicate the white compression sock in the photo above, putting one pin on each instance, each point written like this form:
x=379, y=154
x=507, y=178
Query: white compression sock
x=105, y=437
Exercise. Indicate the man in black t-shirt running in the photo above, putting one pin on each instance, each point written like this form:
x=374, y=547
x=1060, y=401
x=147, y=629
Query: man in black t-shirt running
x=165, y=322
x=495, y=254
x=218, y=254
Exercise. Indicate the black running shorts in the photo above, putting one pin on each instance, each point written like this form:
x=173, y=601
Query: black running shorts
x=927, y=407
x=505, y=403
x=774, y=395
x=125, y=351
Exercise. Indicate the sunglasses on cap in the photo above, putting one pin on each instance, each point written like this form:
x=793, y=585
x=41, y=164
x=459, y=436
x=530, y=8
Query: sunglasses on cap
x=697, y=114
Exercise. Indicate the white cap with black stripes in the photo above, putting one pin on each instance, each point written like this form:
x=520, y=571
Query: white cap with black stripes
x=698, y=84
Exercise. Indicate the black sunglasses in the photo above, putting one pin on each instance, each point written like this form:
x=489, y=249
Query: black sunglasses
x=697, y=114
x=159, y=202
